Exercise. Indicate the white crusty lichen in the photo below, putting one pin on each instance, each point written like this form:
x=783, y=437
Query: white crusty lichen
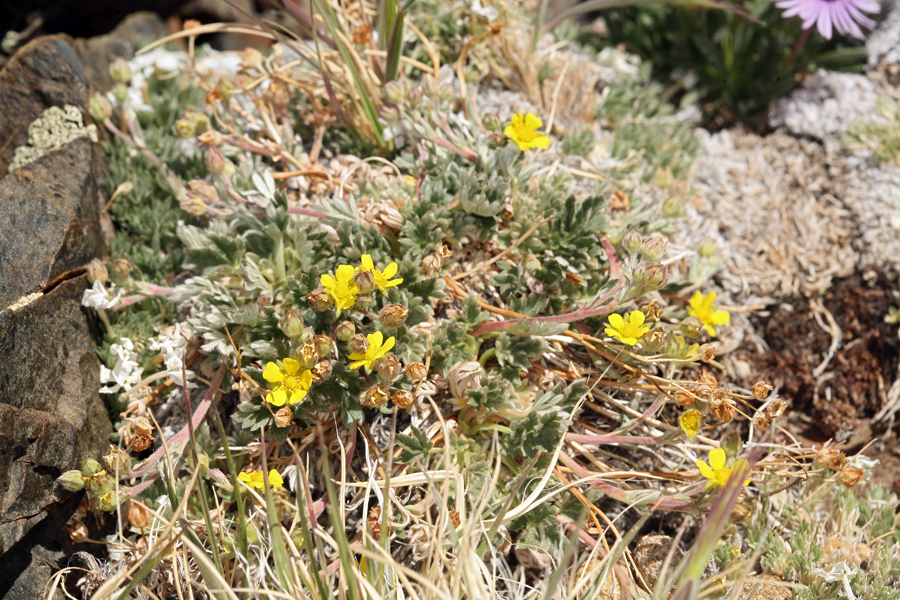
x=52, y=130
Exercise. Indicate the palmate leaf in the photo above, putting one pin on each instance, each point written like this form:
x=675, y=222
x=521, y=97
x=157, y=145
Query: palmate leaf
x=414, y=446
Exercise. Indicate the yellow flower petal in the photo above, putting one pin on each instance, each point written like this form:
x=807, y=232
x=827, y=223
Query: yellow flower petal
x=637, y=318
x=390, y=271
x=275, y=480
x=277, y=398
x=704, y=469
x=306, y=379
x=291, y=366
x=357, y=364
x=344, y=273
x=367, y=263
x=616, y=320
x=532, y=121
x=297, y=396
x=327, y=281
x=385, y=348
x=375, y=339
x=696, y=300
x=717, y=459
x=720, y=317
x=272, y=373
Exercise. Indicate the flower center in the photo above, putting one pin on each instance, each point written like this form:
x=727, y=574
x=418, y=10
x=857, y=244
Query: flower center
x=290, y=383
x=630, y=331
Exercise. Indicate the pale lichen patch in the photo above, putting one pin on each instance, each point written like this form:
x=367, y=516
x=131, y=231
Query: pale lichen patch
x=52, y=130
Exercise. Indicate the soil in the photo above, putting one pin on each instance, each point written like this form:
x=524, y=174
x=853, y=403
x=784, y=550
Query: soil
x=836, y=401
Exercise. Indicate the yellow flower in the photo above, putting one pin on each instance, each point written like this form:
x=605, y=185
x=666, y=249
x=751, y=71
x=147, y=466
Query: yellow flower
x=690, y=422
x=254, y=479
x=382, y=278
x=523, y=132
x=630, y=331
x=704, y=308
x=341, y=287
x=376, y=350
x=716, y=471
x=292, y=388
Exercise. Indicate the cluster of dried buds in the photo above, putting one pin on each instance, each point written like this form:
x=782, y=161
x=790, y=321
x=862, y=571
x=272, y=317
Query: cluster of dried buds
x=720, y=401
x=137, y=434
x=834, y=459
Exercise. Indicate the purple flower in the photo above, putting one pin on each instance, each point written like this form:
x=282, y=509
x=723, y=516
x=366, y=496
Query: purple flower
x=843, y=15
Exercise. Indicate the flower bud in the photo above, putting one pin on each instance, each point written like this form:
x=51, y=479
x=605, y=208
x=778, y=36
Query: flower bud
x=199, y=119
x=120, y=71
x=392, y=315
x=193, y=204
x=654, y=248
x=72, y=480
x=389, y=368
x=850, y=476
x=363, y=301
x=390, y=114
x=319, y=299
x=120, y=270
x=491, y=122
x=184, y=128
x=117, y=461
x=96, y=271
x=663, y=178
x=373, y=397
x=283, y=417
x=358, y=344
x=761, y=390
x=632, y=242
x=99, y=484
x=414, y=95
x=691, y=327
x=120, y=92
x=345, y=330
x=323, y=345
x=655, y=276
x=673, y=207
x=215, y=160
x=110, y=501
x=393, y=92
x=831, y=458
x=416, y=371
x=138, y=515
x=364, y=281
x=429, y=85
x=91, y=467
x=78, y=532
x=100, y=108
x=322, y=370
x=403, y=399
x=291, y=324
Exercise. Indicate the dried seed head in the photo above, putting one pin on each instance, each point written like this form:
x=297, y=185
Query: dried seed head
x=722, y=408
x=707, y=378
x=373, y=397
x=319, y=299
x=416, y=371
x=651, y=311
x=443, y=251
x=307, y=354
x=831, y=458
x=358, y=344
x=78, y=532
x=283, y=417
x=707, y=353
x=686, y=398
x=139, y=443
x=403, y=399
x=454, y=518
x=393, y=315
x=362, y=34
x=96, y=271
x=374, y=522
x=691, y=327
x=117, y=461
x=618, y=200
x=761, y=421
x=850, y=476
x=776, y=408
x=138, y=515
x=322, y=370
x=142, y=426
x=761, y=390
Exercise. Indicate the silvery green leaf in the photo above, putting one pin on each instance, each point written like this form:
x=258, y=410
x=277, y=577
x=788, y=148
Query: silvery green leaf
x=536, y=328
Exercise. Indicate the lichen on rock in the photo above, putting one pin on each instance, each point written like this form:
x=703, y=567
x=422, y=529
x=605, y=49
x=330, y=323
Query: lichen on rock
x=52, y=130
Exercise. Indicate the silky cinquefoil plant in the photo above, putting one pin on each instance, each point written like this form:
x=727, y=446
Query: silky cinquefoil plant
x=359, y=373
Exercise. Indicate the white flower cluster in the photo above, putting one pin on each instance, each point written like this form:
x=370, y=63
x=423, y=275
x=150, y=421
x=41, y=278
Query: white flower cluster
x=99, y=298
x=172, y=345
x=126, y=373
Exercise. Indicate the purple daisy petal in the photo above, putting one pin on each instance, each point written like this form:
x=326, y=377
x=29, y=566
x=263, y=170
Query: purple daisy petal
x=846, y=16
